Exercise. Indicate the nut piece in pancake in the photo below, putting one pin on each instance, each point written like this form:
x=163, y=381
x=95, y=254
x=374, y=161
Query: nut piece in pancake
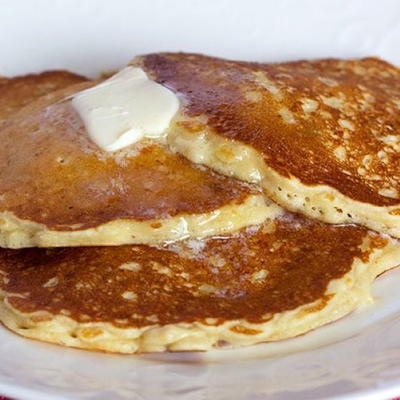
x=264, y=283
x=321, y=136
x=59, y=189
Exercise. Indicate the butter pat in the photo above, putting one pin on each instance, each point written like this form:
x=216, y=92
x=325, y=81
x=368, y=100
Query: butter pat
x=126, y=108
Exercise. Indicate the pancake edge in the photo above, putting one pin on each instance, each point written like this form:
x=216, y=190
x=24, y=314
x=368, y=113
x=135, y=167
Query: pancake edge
x=18, y=233
x=321, y=202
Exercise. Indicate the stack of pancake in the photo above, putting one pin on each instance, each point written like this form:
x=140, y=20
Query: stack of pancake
x=268, y=211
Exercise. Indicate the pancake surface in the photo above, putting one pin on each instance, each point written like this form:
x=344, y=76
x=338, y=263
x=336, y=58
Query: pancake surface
x=267, y=282
x=321, y=136
x=59, y=189
x=22, y=90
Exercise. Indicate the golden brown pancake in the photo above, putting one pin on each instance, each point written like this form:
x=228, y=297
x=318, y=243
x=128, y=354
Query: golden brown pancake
x=266, y=282
x=22, y=90
x=59, y=189
x=321, y=136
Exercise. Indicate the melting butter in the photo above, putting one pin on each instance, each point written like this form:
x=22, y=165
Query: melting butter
x=126, y=108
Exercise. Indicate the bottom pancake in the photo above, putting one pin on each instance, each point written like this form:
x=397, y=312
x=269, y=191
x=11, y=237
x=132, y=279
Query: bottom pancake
x=264, y=283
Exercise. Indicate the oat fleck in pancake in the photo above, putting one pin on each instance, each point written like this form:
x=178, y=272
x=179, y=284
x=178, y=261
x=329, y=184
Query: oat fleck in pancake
x=59, y=189
x=321, y=136
x=268, y=282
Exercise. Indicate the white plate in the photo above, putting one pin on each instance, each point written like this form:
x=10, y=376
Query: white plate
x=357, y=357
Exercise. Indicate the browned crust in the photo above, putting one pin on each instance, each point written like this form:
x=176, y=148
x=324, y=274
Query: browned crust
x=22, y=90
x=368, y=88
x=220, y=278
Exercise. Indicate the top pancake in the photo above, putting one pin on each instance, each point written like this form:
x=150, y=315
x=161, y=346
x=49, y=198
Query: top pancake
x=59, y=189
x=322, y=136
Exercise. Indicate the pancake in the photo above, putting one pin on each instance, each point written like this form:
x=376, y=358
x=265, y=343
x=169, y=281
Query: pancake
x=22, y=90
x=268, y=282
x=322, y=137
x=59, y=189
